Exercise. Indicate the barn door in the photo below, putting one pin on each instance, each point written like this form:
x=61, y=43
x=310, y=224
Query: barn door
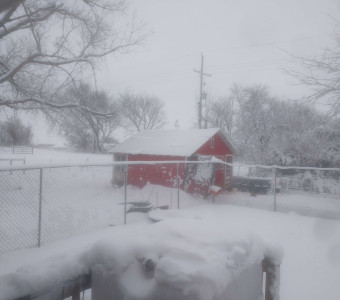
x=219, y=172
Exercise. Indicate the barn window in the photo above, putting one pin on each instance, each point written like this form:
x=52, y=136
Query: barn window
x=212, y=143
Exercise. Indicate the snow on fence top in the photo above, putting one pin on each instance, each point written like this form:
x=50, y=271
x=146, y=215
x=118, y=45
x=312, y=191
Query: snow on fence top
x=166, y=142
x=155, y=162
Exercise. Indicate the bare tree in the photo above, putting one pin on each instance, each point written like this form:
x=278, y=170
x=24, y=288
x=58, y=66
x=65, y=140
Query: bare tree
x=142, y=112
x=220, y=113
x=48, y=46
x=81, y=127
x=77, y=133
x=322, y=75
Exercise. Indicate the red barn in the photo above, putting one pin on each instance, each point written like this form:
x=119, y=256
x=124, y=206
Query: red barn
x=176, y=145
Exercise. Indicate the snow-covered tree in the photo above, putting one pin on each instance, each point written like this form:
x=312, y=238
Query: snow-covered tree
x=302, y=137
x=255, y=123
x=267, y=130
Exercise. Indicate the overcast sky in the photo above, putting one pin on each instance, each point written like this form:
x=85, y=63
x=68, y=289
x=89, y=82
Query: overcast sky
x=243, y=41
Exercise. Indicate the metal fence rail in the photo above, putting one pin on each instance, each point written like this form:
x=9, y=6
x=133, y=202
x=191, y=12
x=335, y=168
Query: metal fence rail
x=45, y=203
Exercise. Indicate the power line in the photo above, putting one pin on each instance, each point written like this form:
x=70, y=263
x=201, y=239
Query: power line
x=237, y=47
x=180, y=73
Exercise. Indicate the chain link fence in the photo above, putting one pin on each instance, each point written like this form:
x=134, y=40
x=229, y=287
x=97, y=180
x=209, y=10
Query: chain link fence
x=19, y=209
x=43, y=204
x=39, y=205
x=307, y=191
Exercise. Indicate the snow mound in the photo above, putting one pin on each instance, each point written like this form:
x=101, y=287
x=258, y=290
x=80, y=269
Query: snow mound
x=157, y=215
x=45, y=279
x=181, y=258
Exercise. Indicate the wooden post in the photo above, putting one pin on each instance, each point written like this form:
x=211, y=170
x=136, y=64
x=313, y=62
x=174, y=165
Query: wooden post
x=272, y=278
x=76, y=293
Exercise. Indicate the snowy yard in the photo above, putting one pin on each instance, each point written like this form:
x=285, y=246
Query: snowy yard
x=311, y=247
x=74, y=199
x=214, y=175
x=51, y=157
x=296, y=203
x=80, y=199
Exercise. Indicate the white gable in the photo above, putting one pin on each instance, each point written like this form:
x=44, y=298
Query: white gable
x=166, y=142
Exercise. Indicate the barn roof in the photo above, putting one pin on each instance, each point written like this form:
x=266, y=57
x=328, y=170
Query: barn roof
x=169, y=142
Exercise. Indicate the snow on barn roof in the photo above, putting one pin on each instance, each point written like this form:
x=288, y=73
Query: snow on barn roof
x=168, y=142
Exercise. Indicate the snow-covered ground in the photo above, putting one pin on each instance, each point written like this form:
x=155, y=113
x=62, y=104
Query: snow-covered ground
x=83, y=199
x=74, y=200
x=296, y=203
x=80, y=199
x=311, y=249
x=52, y=157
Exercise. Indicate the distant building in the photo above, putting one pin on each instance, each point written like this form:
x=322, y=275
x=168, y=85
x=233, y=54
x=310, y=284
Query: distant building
x=176, y=145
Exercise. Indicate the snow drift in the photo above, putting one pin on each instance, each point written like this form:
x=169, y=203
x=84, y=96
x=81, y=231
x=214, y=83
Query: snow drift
x=178, y=259
x=173, y=259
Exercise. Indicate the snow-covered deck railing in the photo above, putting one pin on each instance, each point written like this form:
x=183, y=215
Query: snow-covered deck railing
x=184, y=259
x=70, y=288
x=172, y=259
x=271, y=278
x=75, y=288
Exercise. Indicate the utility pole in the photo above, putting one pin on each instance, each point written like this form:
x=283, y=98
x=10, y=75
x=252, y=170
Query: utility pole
x=202, y=74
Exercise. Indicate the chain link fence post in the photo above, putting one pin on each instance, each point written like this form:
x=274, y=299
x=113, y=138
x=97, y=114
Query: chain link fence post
x=40, y=205
x=177, y=172
x=275, y=170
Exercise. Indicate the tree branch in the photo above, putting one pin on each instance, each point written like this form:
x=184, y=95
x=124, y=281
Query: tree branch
x=40, y=102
